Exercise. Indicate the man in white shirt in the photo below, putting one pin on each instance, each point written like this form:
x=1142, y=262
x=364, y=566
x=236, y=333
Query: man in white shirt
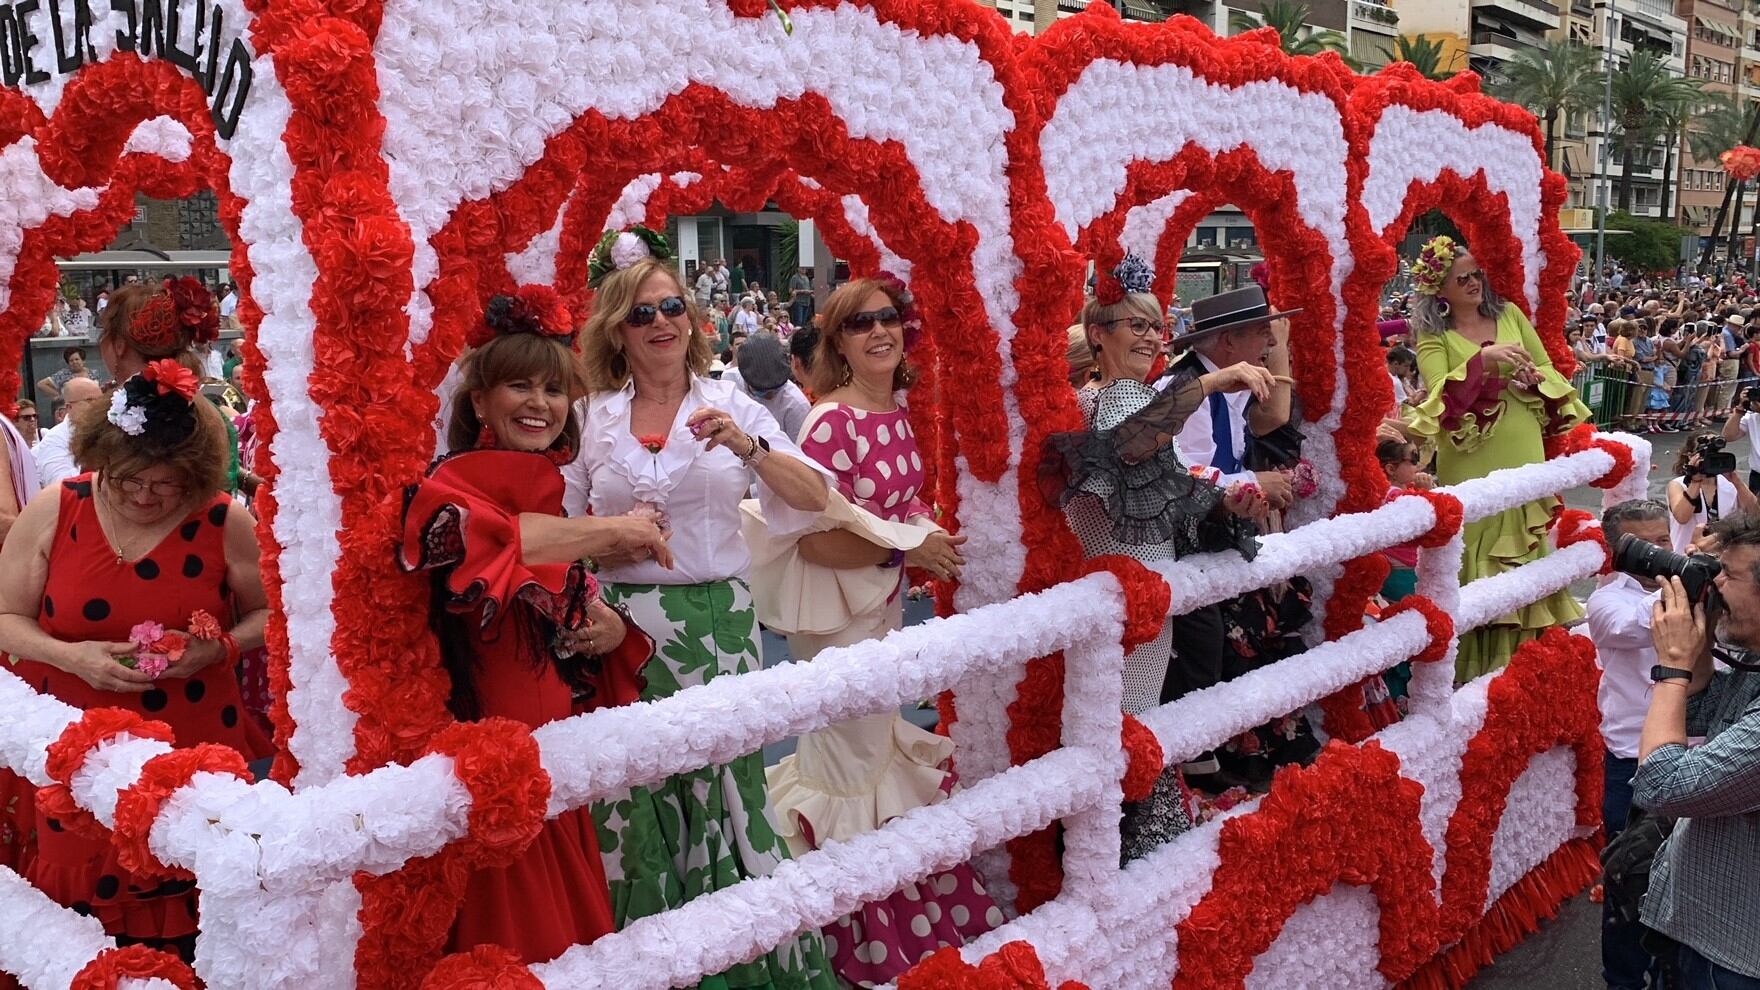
x=763, y=369
x=1227, y=329
x=1619, y=625
x=747, y=317
x=1744, y=420
x=54, y=459
x=228, y=305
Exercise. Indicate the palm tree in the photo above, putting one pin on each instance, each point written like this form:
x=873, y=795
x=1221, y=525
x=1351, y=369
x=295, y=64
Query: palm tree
x=1290, y=18
x=1645, y=97
x=1723, y=125
x=1556, y=79
x=1425, y=55
x=1718, y=126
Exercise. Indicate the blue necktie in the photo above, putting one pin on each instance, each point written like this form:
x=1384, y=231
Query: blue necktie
x=1224, y=459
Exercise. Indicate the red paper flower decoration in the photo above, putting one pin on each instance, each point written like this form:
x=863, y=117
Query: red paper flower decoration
x=172, y=377
x=1015, y=966
x=1742, y=162
x=138, y=962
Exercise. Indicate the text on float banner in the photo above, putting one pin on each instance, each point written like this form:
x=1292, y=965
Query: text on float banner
x=37, y=36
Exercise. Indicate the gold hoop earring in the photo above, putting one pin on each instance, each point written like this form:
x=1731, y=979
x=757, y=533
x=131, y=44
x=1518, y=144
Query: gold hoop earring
x=849, y=374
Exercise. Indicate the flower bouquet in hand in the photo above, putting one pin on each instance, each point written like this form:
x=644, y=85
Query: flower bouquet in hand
x=157, y=648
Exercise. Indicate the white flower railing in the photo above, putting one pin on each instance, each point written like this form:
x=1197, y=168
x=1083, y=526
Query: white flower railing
x=275, y=868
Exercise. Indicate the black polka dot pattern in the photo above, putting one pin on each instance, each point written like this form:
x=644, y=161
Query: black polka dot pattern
x=229, y=716
x=147, y=570
x=189, y=530
x=192, y=566
x=49, y=606
x=108, y=886
x=155, y=700
x=195, y=691
x=217, y=515
x=54, y=825
x=96, y=610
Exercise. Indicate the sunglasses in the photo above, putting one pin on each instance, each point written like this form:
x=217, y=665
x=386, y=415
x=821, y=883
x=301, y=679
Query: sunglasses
x=1468, y=278
x=642, y=314
x=860, y=323
x=30, y=416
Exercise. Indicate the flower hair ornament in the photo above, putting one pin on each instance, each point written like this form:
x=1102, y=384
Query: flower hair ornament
x=1129, y=277
x=157, y=405
x=1434, y=261
x=184, y=303
x=531, y=309
x=619, y=249
x=907, y=307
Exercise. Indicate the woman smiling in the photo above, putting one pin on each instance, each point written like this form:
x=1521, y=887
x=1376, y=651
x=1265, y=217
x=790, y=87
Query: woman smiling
x=522, y=631
x=661, y=438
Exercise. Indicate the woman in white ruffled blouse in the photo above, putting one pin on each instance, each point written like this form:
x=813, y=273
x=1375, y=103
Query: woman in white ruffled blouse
x=659, y=436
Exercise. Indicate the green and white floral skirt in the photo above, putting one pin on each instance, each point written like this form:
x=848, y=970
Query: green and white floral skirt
x=708, y=829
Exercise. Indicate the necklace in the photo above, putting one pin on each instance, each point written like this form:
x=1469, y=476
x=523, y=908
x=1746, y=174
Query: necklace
x=109, y=527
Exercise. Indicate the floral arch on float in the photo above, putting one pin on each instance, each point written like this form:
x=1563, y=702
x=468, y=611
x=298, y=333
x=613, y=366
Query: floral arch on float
x=384, y=166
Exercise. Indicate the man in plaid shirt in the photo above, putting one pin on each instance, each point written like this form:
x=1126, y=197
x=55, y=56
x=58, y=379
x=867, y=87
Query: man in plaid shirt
x=1705, y=884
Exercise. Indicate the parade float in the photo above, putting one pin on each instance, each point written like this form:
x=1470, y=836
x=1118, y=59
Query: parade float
x=384, y=166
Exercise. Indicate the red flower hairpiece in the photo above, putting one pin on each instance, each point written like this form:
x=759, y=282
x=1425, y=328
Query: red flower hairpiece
x=531, y=309
x=186, y=304
x=171, y=377
x=1108, y=290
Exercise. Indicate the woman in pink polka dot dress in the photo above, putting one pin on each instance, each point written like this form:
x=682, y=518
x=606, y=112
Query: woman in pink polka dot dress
x=855, y=776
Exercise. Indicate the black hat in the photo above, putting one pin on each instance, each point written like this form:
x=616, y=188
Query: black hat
x=1226, y=311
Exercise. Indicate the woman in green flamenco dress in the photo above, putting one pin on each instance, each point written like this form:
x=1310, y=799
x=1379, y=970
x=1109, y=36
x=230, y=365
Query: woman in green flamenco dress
x=1494, y=399
x=662, y=439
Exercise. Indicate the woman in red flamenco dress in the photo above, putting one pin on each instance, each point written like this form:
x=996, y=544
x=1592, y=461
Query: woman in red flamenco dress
x=522, y=630
x=147, y=537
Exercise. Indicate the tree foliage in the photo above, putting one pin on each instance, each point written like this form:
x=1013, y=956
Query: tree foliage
x=1651, y=246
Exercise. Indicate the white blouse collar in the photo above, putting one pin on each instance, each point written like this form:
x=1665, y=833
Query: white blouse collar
x=651, y=476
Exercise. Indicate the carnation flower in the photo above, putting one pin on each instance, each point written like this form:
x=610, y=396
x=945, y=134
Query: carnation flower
x=627, y=250
x=131, y=420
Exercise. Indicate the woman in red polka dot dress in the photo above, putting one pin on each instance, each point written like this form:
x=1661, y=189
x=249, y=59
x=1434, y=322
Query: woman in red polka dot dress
x=855, y=776
x=147, y=536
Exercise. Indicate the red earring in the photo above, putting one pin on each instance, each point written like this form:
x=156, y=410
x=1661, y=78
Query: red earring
x=486, y=439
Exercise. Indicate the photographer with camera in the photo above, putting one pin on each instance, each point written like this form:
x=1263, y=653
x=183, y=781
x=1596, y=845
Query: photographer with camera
x=1706, y=491
x=1620, y=611
x=1704, y=888
x=1745, y=419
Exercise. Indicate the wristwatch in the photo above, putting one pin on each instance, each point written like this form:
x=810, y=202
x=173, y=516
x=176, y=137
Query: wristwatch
x=760, y=449
x=1659, y=673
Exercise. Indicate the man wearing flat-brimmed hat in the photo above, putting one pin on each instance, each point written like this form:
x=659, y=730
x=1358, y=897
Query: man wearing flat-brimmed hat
x=1228, y=328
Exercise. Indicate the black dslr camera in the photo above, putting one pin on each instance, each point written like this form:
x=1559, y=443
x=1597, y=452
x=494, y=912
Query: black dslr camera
x=1697, y=573
x=1714, y=461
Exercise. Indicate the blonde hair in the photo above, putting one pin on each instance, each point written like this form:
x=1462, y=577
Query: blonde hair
x=1079, y=354
x=829, y=367
x=607, y=367
x=200, y=460
x=1137, y=304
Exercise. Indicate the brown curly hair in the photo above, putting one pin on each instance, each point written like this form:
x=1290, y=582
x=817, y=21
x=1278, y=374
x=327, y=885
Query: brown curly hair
x=829, y=368
x=200, y=460
x=607, y=367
